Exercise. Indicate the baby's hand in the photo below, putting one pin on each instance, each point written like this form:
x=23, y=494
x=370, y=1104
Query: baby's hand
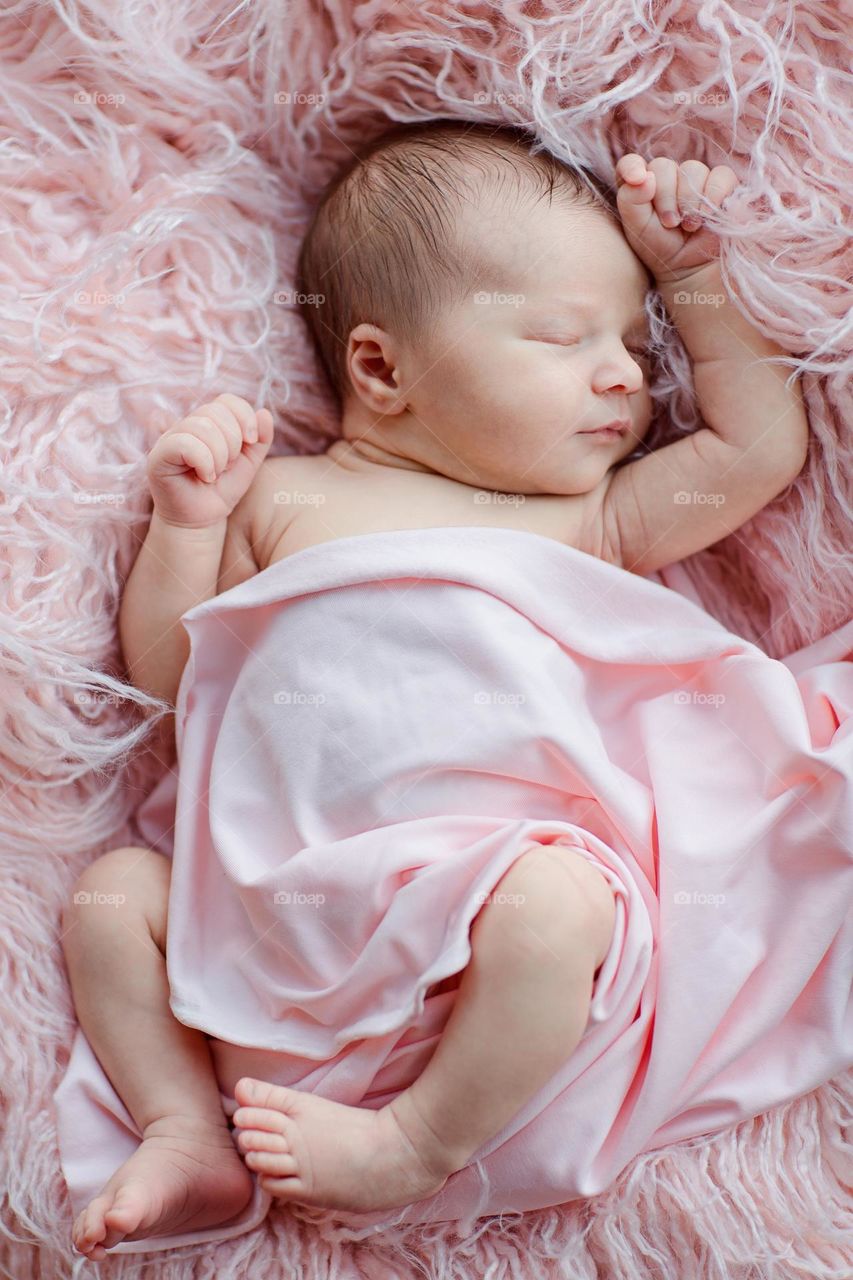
x=653, y=199
x=200, y=468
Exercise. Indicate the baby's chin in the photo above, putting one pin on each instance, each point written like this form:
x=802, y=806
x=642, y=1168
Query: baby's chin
x=569, y=477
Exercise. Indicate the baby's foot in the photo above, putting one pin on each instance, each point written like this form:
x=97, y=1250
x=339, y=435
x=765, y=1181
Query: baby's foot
x=186, y=1174
x=314, y=1151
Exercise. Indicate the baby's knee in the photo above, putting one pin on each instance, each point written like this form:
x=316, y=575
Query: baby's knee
x=552, y=900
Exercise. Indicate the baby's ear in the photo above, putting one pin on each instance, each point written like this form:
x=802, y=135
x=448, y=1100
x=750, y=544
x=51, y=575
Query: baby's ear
x=372, y=367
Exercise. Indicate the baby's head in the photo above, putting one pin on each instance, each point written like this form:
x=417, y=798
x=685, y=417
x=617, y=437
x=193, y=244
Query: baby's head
x=481, y=309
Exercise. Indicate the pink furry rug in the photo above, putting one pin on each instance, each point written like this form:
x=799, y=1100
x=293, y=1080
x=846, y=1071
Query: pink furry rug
x=158, y=164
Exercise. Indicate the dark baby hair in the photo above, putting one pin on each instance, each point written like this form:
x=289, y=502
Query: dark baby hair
x=383, y=244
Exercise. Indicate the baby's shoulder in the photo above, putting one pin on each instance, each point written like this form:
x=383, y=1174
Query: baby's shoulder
x=284, y=486
x=297, y=501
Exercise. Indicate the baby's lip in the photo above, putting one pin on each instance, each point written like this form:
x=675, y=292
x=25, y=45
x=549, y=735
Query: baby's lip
x=618, y=424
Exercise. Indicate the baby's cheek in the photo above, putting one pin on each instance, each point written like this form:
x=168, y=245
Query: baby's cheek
x=640, y=428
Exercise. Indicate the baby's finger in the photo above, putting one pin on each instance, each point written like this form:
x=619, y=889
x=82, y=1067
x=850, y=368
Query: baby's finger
x=630, y=196
x=691, y=183
x=214, y=436
x=666, y=201
x=264, y=421
x=220, y=415
x=188, y=450
x=631, y=168
x=243, y=412
x=721, y=183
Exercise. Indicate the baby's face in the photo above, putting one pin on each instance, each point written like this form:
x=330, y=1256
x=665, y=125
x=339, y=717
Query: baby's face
x=517, y=374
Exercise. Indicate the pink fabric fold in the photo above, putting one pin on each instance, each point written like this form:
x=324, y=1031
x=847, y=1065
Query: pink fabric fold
x=371, y=732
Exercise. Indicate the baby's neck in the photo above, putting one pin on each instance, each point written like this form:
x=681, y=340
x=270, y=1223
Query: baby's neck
x=367, y=456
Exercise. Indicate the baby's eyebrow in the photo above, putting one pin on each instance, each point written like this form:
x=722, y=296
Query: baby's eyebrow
x=584, y=305
x=560, y=303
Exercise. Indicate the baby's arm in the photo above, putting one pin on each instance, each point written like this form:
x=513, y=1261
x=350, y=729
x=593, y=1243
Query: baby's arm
x=196, y=531
x=692, y=493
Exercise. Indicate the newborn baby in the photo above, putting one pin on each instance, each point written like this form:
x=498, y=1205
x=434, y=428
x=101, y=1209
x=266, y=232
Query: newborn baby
x=480, y=312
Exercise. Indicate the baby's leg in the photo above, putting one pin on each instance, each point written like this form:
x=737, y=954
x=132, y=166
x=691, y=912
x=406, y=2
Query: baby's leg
x=520, y=1011
x=187, y=1172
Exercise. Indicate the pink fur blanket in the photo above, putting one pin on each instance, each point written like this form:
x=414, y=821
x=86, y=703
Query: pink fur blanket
x=158, y=166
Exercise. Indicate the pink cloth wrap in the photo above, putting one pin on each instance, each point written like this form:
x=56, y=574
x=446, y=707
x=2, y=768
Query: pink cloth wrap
x=371, y=731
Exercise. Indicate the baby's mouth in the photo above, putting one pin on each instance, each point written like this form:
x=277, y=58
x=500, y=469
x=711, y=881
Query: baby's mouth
x=609, y=430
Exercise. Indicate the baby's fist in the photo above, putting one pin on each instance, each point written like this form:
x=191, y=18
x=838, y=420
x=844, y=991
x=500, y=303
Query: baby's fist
x=202, y=466
x=661, y=205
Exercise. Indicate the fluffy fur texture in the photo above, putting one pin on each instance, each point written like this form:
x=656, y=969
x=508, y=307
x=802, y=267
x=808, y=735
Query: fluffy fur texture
x=158, y=165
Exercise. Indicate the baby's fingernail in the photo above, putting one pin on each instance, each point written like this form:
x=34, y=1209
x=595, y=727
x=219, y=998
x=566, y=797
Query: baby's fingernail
x=669, y=219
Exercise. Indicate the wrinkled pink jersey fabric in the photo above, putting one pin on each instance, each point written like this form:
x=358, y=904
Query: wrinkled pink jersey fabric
x=372, y=730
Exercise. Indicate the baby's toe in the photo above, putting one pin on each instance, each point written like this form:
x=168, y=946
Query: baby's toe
x=283, y=1188
x=257, y=1140
x=259, y=1118
x=275, y=1163
x=91, y=1228
x=260, y=1093
x=126, y=1209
